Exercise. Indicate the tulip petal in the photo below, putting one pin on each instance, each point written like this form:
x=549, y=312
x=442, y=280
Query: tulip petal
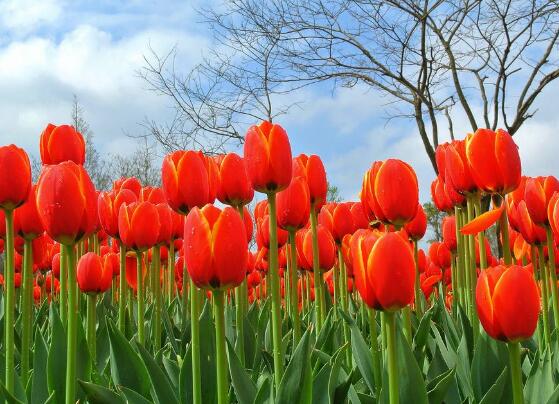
x=483, y=221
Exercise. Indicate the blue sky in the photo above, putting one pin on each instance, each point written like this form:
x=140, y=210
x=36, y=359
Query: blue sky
x=52, y=49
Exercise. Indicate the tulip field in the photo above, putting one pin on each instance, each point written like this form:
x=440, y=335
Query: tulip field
x=195, y=293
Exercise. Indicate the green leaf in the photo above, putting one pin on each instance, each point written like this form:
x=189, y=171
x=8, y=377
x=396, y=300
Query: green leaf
x=39, y=388
x=245, y=389
x=207, y=355
x=185, y=377
x=264, y=394
x=420, y=337
x=320, y=385
x=10, y=399
x=490, y=358
x=172, y=370
x=438, y=387
x=98, y=394
x=539, y=386
x=291, y=387
x=127, y=369
x=163, y=392
x=56, y=361
x=411, y=382
x=495, y=393
x=132, y=397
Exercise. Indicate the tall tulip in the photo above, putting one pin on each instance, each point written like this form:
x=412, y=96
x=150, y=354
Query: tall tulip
x=62, y=143
x=234, y=187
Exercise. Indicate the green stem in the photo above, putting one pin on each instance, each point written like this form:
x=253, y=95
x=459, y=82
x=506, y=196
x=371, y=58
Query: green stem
x=63, y=285
x=318, y=290
x=185, y=295
x=406, y=316
x=222, y=371
x=171, y=273
x=275, y=289
x=552, y=275
x=373, y=332
x=504, y=224
x=156, y=319
x=516, y=372
x=545, y=295
x=140, y=297
x=347, y=334
x=72, y=330
x=418, y=302
x=122, y=290
x=240, y=343
x=195, y=340
x=391, y=357
x=294, y=301
x=27, y=310
x=91, y=325
x=472, y=270
x=480, y=236
x=10, y=301
x=460, y=257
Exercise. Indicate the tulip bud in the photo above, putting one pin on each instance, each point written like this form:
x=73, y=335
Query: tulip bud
x=15, y=177
x=138, y=225
x=62, y=143
x=93, y=275
x=293, y=205
x=418, y=226
x=234, y=187
x=312, y=169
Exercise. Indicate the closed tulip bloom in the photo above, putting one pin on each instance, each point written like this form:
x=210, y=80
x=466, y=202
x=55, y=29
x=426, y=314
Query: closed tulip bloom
x=440, y=159
x=132, y=270
x=440, y=254
x=263, y=233
x=111, y=260
x=312, y=169
x=215, y=247
x=391, y=191
x=449, y=232
x=165, y=224
x=418, y=226
x=249, y=224
x=130, y=183
x=67, y=202
x=508, y=302
x=293, y=205
x=154, y=195
x=26, y=218
x=302, y=262
x=15, y=177
x=537, y=195
x=62, y=143
x=494, y=160
x=439, y=196
x=326, y=248
x=267, y=155
x=383, y=270
x=234, y=187
x=531, y=232
x=186, y=180
x=178, y=225
x=138, y=225
x=108, y=206
x=93, y=275
x=337, y=218
x=360, y=220
x=457, y=168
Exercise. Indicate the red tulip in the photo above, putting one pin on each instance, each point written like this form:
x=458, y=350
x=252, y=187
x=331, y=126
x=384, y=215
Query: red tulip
x=131, y=183
x=267, y=155
x=337, y=218
x=62, y=143
x=360, y=220
x=263, y=233
x=418, y=226
x=440, y=254
x=383, y=269
x=293, y=205
x=234, y=187
x=312, y=169
x=494, y=160
x=94, y=274
x=154, y=195
x=189, y=179
x=458, y=169
x=326, y=248
x=216, y=249
x=26, y=218
x=15, y=177
x=138, y=225
x=449, y=232
x=390, y=190
x=508, y=302
x=165, y=224
x=108, y=206
x=537, y=195
x=67, y=202
x=132, y=270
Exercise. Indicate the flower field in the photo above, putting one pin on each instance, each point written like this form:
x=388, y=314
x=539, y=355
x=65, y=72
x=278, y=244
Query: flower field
x=237, y=281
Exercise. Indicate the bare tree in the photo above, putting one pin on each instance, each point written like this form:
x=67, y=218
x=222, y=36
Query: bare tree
x=98, y=167
x=434, y=61
x=142, y=164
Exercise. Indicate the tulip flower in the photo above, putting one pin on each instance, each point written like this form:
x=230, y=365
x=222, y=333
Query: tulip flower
x=293, y=205
x=138, y=225
x=418, y=226
x=108, y=206
x=312, y=169
x=62, y=143
x=337, y=218
x=494, y=160
x=390, y=190
x=449, y=232
x=234, y=186
x=130, y=183
x=154, y=195
x=15, y=177
x=26, y=218
x=326, y=248
x=94, y=274
x=457, y=168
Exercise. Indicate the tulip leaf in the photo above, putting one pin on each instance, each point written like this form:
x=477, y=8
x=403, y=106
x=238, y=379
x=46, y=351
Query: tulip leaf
x=98, y=394
x=39, y=388
x=172, y=370
x=490, y=358
x=293, y=384
x=245, y=389
x=127, y=369
x=320, y=385
x=170, y=332
x=438, y=387
x=56, y=360
x=207, y=355
x=495, y=393
x=8, y=397
x=411, y=382
x=420, y=337
x=132, y=397
x=539, y=385
x=103, y=346
x=264, y=394
x=185, y=377
x=163, y=392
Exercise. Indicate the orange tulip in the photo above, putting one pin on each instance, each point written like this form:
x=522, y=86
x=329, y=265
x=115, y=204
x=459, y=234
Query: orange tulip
x=108, y=206
x=216, y=249
x=508, y=302
x=94, y=274
x=383, y=270
x=15, y=177
x=326, y=248
x=267, y=155
x=537, y=195
x=26, y=218
x=312, y=169
x=293, y=205
x=234, y=187
x=130, y=183
x=458, y=172
x=494, y=160
x=449, y=232
x=138, y=225
x=390, y=190
x=62, y=143
x=337, y=218
x=418, y=226
x=67, y=202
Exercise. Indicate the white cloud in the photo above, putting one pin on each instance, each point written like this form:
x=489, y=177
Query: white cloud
x=20, y=17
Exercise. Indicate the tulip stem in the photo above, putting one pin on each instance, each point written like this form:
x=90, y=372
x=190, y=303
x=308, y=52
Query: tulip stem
x=171, y=272
x=480, y=236
x=122, y=290
x=418, y=302
x=63, y=285
x=72, y=330
x=91, y=325
x=156, y=318
x=294, y=301
x=10, y=301
x=515, y=372
x=390, y=321
x=275, y=288
x=504, y=224
x=319, y=294
x=545, y=294
x=553, y=275
x=373, y=333
x=219, y=317
x=195, y=339
x=140, y=296
x=472, y=270
x=460, y=259
x=239, y=311
x=27, y=310
x=344, y=287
